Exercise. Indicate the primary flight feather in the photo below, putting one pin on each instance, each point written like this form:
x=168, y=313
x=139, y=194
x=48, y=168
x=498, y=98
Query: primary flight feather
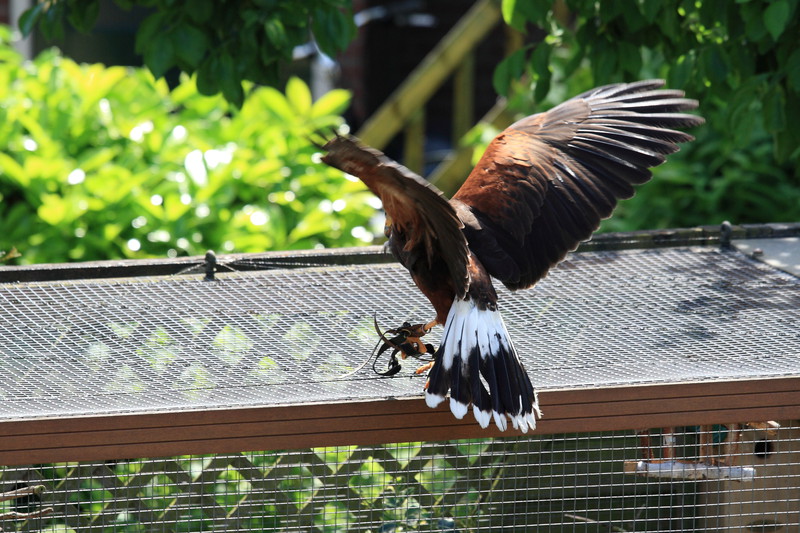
x=542, y=187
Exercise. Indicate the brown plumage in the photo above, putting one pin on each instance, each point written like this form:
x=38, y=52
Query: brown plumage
x=542, y=186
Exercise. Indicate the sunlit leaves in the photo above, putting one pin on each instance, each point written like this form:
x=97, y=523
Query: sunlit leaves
x=334, y=456
x=300, y=485
x=194, y=381
x=370, y=481
x=159, y=350
x=711, y=48
x=231, y=344
x=331, y=104
x=334, y=518
x=437, y=476
x=298, y=96
x=111, y=163
x=739, y=59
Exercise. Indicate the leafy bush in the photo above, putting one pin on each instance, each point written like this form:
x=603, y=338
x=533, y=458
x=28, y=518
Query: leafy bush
x=738, y=59
x=731, y=52
x=712, y=179
x=223, y=42
x=105, y=163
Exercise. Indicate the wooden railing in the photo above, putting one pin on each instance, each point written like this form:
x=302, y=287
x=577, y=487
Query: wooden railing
x=404, y=110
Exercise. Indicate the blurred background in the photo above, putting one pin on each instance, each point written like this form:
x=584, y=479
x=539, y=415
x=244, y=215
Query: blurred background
x=146, y=129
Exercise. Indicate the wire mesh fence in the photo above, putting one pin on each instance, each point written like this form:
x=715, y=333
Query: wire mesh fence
x=179, y=348
x=712, y=478
x=285, y=336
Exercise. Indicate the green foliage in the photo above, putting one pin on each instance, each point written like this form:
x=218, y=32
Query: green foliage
x=105, y=163
x=741, y=60
x=224, y=43
x=713, y=179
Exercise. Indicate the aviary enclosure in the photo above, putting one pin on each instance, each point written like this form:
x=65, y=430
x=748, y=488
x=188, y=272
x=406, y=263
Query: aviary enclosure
x=159, y=396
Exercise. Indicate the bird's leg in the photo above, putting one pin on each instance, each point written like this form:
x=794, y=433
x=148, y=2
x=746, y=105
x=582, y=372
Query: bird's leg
x=424, y=368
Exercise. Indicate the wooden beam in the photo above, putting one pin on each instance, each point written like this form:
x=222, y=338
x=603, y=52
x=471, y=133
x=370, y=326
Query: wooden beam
x=451, y=173
x=420, y=85
x=464, y=97
x=414, y=145
x=392, y=420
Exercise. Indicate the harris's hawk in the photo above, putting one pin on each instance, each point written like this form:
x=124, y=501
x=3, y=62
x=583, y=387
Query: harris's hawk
x=542, y=187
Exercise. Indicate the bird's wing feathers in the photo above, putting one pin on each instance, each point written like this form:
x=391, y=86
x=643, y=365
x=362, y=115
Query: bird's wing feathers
x=416, y=208
x=545, y=183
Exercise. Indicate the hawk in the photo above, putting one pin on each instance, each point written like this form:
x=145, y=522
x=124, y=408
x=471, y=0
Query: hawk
x=542, y=186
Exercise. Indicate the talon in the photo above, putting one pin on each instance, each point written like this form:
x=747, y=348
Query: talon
x=417, y=345
x=406, y=341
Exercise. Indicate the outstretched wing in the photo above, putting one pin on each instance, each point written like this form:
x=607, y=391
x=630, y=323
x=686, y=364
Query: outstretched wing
x=545, y=183
x=416, y=208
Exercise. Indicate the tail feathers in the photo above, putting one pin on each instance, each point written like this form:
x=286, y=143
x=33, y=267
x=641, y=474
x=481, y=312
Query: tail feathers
x=478, y=365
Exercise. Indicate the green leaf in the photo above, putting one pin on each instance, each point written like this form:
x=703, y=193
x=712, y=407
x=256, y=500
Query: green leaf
x=715, y=64
x=604, y=61
x=630, y=58
x=334, y=102
x=650, y=9
x=776, y=17
x=540, y=59
x=29, y=18
x=793, y=70
x=92, y=160
x=681, y=71
x=775, y=109
x=149, y=28
x=298, y=95
x=207, y=79
x=11, y=168
x=51, y=23
x=159, y=55
x=542, y=87
x=634, y=20
x=754, y=22
x=314, y=223
x=741, y=116
x=275, y=103
x=53, y=209
x=231, y=344
x=275, y=32
x=229, y=81
x=540, y=62
x=190, y=44
x=509, y=69
x=333, y=30
x=83, y=14
x=513, y=17
x=201, y=11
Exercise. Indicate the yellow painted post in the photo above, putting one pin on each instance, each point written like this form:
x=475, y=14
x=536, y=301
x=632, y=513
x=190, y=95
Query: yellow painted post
x=412, y=94
x=463, y=98
x=451, y=173
x=414, y=146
